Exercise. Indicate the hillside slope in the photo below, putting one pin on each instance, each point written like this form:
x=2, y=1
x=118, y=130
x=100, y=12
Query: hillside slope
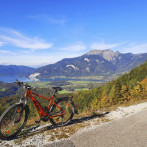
x=7, y=89
x=130, y=87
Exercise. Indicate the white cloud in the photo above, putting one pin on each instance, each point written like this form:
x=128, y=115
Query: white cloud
x=35, y=60
x=55, y=21
x=48, y=19
x=78, y=46
x=135, y=48
x=2, y=43
x=16, y=39
x=6, y=52
x=102, y=45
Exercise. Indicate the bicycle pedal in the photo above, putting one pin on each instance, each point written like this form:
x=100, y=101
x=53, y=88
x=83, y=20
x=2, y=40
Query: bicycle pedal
x=37, y=121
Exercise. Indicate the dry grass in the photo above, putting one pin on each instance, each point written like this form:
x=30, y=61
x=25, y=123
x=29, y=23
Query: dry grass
x=65, y=132
x=114, y=107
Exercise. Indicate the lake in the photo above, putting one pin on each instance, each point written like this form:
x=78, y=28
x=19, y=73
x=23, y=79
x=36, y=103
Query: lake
x=11, y=79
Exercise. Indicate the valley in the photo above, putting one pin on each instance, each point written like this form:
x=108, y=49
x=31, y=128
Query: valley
x=93, y=96
x=73, y=73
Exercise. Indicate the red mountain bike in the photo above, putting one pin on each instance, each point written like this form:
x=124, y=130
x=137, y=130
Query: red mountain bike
x=59, y=112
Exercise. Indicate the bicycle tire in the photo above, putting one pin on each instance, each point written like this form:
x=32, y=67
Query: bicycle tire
x=11, y=120
x=69, y=109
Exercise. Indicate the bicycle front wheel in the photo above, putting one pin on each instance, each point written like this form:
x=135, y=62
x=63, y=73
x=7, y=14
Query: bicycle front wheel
x=12, y=121
x=61, y=117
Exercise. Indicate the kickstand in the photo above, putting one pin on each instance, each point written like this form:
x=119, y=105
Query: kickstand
x=38, y=121
x=62, y=123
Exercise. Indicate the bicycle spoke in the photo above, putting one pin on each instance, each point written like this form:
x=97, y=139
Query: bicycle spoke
x=65, y=114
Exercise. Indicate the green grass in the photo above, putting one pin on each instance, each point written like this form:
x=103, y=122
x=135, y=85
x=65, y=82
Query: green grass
x=83, y=82
x=88, y=77
x=80, y=82
x=63, y=92
x=72, y=85
x=40, y=84
x=81, y=89
x=3, y=89
x=82, y=77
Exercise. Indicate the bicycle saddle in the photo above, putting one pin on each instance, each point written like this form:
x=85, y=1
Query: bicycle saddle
x=57, y=88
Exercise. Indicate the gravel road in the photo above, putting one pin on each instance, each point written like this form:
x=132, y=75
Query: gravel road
x=129, y=131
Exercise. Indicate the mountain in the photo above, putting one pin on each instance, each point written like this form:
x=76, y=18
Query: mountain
x=13, y=70
x=95, y=63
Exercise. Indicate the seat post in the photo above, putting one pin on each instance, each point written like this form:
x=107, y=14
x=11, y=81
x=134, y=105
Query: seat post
x=54, y=92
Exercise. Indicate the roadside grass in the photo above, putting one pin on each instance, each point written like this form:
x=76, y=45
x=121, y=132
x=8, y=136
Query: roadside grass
x=127, y=104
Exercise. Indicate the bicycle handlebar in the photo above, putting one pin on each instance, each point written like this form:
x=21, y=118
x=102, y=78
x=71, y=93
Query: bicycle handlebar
x=19, y=83
x=26, y=86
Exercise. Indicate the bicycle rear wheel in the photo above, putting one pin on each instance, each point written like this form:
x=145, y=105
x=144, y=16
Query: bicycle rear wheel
x=12, y=121
x=64, y=116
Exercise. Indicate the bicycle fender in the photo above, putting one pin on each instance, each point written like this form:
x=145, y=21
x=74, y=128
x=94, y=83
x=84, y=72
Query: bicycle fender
x=23, y=101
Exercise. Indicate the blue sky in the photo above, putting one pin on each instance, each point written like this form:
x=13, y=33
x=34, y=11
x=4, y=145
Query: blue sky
x=40, y=32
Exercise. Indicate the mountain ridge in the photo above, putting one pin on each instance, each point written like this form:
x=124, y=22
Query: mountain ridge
x=94, y=63
x=16, y=70
x=103, y=63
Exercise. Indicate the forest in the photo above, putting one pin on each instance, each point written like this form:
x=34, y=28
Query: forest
x=131, y=86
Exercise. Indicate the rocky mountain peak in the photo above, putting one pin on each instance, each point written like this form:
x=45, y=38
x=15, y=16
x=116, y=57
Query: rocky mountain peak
x=107, y=54
x=94, y=52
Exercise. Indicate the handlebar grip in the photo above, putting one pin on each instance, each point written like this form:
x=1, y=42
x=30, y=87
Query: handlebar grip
x=17, y=80
x=19, y=83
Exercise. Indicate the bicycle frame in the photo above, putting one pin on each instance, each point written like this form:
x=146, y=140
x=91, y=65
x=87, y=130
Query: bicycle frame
x=40, y=110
